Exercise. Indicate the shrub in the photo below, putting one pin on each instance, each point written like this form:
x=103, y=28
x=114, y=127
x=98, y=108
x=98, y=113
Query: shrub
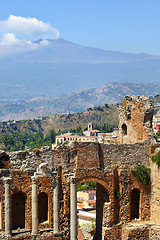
x=117, y=195
x=142, y=174
x=156, y=159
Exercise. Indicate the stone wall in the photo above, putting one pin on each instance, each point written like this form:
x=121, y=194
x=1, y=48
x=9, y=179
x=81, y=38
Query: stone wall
x=135, y=119
x=155, y=197
x=84, y=156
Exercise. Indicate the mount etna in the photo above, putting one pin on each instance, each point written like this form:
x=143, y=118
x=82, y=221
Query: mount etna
x=61, y=76
x=60, y=66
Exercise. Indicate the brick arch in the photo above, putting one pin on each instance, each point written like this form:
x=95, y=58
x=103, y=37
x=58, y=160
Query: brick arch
x=93, y=179
x=97, y=175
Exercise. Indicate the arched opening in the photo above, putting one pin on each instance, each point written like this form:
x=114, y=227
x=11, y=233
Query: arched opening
x=135, y=200
x=0, y=214
x=18, y=210
x=93, y=204
x=42, y=207
x=124, y=129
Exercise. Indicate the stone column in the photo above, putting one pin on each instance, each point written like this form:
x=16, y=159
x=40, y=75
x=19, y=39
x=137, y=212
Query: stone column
x=7, y=206
x=56, y=221
x=34, y=207
x=73, y=208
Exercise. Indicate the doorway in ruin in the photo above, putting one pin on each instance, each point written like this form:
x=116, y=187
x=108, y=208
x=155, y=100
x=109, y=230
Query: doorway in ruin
x=18, y=210
x=93, y=206
x=42, y=207
x=124, y=129
x=135, y=201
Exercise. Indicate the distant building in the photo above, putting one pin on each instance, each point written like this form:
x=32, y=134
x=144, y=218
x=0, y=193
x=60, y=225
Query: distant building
x=108, y=137
x=87, y=195
x=90, y=135
x=86, y=202
x=90, y=132
x=74, y=137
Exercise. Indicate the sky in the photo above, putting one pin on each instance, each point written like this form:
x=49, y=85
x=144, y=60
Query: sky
x=121, y=25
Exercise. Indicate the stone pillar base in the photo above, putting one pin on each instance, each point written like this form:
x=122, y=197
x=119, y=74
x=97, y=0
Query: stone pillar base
x=8, y=235
x=57, y=234
x=35, y=234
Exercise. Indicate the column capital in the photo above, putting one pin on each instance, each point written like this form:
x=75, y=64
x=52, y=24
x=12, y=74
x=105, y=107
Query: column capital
x=56, y=181
x=7, y=180
x=54, y=173
x=34, y=179
x=73, y=180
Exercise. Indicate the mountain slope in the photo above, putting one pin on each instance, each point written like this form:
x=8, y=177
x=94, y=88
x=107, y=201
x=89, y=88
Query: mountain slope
x=105, y=114
x=98, y=115
x=76, y=101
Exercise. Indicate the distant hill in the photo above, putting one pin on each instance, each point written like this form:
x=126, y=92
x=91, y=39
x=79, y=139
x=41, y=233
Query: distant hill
x=104, y=114
x=97, y=115
x=60, y=67
x=77, y=101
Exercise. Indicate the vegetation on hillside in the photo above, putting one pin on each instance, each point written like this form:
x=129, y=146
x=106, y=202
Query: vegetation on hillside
x=23, y=140
x=20, y=141
x=18, y=135
x=107, y=114
x=89, y=185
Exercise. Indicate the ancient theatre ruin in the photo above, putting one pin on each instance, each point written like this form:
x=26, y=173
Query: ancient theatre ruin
x=38, y=190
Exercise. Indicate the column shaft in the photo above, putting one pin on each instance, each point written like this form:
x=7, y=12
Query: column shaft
x=7, y=207
x=56, y=206
x=34, y=207
x=73, y=209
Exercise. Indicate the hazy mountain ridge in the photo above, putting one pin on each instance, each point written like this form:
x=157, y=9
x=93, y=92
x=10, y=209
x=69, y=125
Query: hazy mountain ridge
x=61, y=67
x=61, y=51
x=77, y=101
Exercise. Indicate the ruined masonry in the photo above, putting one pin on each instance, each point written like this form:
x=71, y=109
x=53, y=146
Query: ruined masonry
x=38, y=190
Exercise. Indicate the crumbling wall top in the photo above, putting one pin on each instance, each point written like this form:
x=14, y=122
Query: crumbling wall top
x=135, y=119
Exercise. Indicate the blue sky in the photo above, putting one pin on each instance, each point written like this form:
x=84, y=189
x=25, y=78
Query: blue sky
x=122, y=25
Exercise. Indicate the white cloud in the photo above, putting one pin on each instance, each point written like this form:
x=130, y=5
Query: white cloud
x=29, y=26
x=10, y=44
x=17, y=34
x=9, y=39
